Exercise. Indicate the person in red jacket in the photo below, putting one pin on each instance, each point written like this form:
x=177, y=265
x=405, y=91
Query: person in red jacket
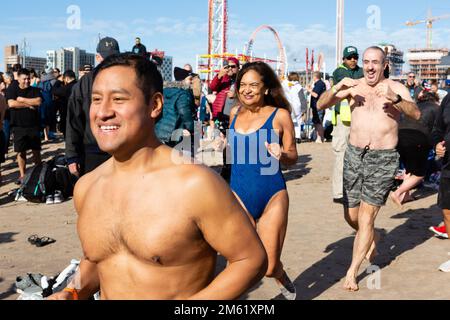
x=221, y=85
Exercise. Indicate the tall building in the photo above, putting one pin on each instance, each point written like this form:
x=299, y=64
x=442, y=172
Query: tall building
x=396, y=60
x=12, y=56
x=166, y=67
x=69, y=59
x=444, y=66
x=425, y=62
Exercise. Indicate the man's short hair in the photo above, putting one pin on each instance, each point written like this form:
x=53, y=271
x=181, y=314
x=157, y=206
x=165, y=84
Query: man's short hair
x=69, y=74
x=56, y=70
x=293, y=76
x=17, y=67
x=317, y=74
x=23, y=71
x=148, y=78
x=384, y=57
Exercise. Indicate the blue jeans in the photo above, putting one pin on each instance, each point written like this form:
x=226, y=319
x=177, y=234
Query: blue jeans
x=7, y=132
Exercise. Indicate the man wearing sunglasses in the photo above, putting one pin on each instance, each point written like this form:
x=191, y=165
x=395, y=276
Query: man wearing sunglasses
x=342, y=119
x=413, y=87
x=222, y=84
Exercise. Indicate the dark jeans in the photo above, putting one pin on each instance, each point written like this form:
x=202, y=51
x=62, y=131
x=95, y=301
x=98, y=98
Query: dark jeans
x=7, y=132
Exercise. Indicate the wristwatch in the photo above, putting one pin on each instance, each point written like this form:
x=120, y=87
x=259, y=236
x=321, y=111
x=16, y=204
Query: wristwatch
x=399, y=99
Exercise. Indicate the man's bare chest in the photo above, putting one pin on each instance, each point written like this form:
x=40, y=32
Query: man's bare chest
x=151, y=228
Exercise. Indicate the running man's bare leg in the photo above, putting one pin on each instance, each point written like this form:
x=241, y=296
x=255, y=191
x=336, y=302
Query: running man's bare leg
x=364, y=242
x=351, y=216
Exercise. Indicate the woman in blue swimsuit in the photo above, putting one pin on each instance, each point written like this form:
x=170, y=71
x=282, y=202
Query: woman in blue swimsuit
x=262, y=136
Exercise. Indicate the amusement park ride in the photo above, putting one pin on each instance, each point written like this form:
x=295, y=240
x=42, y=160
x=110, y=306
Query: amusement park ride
x=209, y=64
x=212, y=62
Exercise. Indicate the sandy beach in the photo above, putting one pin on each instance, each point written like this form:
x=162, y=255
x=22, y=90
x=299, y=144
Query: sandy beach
x=317, y=251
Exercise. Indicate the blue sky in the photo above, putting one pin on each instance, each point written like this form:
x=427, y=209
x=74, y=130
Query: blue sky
x=180, y=27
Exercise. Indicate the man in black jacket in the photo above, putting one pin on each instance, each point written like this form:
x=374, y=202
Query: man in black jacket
x=62, y=94
x=139, y=48
x=82, y=151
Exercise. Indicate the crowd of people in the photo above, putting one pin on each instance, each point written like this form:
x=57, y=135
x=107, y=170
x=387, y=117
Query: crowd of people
x=120, y=123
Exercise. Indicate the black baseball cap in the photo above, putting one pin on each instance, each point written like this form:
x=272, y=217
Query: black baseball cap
x=107, y=47
x=181, y=74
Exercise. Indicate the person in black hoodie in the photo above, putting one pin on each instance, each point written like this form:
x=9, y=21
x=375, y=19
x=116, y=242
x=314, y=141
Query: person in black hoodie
x=441, y=139
x=82, y=151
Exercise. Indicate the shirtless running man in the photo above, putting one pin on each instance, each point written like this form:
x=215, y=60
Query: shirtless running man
x=371, y=160
x=150, y=229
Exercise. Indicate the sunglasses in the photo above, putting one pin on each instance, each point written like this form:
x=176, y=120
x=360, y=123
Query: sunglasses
x=231, y=67
x=412, y=77
x=353, y=58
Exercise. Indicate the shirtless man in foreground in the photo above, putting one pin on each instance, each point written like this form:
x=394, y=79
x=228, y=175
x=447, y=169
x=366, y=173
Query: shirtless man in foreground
x=371, y=161
x=151, y=228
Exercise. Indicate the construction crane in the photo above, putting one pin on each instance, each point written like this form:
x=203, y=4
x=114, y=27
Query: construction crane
x=429, y=22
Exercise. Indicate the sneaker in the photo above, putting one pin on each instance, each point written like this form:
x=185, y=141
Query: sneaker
x=58, y=197
x=287, y=288
x=49, y=200
x=440, y=232
x=445, y=267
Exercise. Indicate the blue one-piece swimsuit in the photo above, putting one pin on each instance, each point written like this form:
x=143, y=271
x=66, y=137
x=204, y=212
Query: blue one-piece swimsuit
x=249, y=178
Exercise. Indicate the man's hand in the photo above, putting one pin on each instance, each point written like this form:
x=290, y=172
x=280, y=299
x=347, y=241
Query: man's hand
x=346, y=83
x=74, y=169
x=441, y=150
x=383, y=90
x=63, y=295
x=223, y=72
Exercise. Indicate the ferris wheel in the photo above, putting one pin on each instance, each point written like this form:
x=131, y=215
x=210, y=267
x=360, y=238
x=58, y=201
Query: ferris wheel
x=282, y=59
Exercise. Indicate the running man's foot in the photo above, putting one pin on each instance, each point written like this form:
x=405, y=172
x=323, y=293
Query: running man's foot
x=350, y=283
x=287, y=288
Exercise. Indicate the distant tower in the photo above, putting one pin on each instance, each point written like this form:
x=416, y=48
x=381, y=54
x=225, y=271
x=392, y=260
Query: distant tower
x=217, y=43
x=339, y=31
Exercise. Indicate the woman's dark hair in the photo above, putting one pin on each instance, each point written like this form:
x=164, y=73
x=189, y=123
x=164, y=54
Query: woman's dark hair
x=148, y=78
x=427, y=95
x=276, y=97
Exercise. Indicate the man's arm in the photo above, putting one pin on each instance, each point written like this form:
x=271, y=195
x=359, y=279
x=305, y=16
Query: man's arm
x=75, y=126
x=14, y=104
x=34, y=102
x=339, y=92
x=391, y=90
x=227, y=229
